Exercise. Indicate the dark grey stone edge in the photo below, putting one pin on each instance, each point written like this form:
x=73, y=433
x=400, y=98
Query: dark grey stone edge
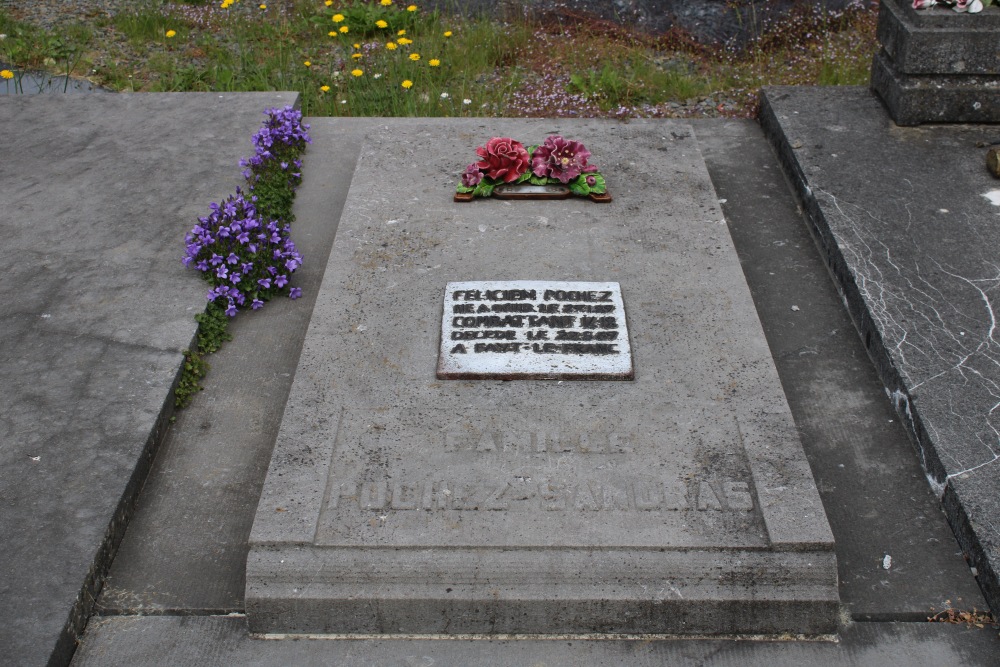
x=907, y=410
x=935, y=98
x=86, y=600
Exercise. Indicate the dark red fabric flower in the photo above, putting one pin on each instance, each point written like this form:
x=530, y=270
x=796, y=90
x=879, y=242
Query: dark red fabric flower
x=503, y=159
x=561, y=159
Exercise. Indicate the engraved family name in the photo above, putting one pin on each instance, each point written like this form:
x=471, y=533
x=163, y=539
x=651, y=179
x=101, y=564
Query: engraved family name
x=527, y=494
x=525, y=329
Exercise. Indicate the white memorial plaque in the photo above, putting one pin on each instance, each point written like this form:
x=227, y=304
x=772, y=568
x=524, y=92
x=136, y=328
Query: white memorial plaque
x=534, y=330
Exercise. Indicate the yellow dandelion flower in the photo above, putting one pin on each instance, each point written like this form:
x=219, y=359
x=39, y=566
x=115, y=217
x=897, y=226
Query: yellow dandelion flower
x=433, y=62
x=6, y=74
x=344, y=29
x=325, y=89
x=332, y=33
x=386, y=3
x=407, y=84
x=337, y=18
x=357, y=46
x=356, y=72
x=226, y=4
x=263, y=6
x=355, y=55
x=381, y=24
x=391, y=46
x=414, y=57
x=404, y=41
x=411, y=8
x=401, y=33
x=328, y=2
x=171, y=33
x=307, y=63
x=447, y=33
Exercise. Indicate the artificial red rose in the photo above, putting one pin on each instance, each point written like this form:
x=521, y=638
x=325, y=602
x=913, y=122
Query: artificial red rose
x=503, y=159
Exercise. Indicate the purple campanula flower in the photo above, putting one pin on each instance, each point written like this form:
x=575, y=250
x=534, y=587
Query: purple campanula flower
x=294, y=293
x=232, y=259
x=202, y=266
x=257, y=303
x=222, y=272
x=265, y=283
x=235, y=278
x=281, y=281
x=231, y=310
x=215, y=260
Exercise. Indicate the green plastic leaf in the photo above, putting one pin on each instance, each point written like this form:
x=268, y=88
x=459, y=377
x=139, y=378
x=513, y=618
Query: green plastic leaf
x=579, y=187
x=523, y=177
x=461, y=189
x=538, y=180
x=531, y=149
x=484, y=189
x=601, y=186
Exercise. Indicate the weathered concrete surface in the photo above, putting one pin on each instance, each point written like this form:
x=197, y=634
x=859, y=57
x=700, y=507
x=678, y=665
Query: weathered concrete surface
x=906, y=229
x=142, y=641
x=97, y=195
x=398, y=503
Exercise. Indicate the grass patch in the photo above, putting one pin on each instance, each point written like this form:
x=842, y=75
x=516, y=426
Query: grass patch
x=363, y=58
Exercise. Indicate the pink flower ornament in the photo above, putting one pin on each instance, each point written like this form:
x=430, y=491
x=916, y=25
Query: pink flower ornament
x=503, y=159
x=561, y=159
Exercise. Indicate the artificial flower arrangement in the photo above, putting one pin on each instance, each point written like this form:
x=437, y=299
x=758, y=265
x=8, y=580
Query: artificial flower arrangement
x=556, y=162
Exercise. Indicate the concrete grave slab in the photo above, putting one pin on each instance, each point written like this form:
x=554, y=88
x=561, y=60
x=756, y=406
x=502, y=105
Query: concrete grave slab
x=680, y=502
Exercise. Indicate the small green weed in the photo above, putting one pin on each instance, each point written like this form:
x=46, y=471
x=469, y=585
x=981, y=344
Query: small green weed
x=212, y=333
x=213, y=328
x=194, y=370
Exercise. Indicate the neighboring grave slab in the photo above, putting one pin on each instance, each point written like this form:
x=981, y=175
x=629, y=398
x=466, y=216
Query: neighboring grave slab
x=936, y=65
x=534, y=330
x=397, y=502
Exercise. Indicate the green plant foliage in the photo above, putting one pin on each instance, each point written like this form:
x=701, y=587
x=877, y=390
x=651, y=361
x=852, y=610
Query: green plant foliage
x=213, y=328
x=194, y=370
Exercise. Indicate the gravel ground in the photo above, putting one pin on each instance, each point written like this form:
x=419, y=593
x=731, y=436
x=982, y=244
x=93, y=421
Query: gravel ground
x=50, y=13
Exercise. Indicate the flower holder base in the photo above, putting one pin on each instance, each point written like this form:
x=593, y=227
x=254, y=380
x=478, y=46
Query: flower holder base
x=533, y=193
